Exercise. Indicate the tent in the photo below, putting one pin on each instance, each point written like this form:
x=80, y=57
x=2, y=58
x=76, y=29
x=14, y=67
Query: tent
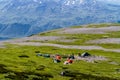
x=85, y=54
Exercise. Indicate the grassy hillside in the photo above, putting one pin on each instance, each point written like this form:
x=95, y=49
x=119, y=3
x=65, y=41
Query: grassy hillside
x=19, y=62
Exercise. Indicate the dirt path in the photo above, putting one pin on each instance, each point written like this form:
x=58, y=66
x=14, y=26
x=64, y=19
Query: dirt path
x=23, y=42
x=67, y=46
x=107, y=40
x=101, y=30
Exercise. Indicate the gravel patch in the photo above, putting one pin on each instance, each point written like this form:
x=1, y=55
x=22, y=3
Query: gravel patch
x=2, y=45
x=34, y=38
x=107, y=40
x=66, y=40
x=28, y=39
x=89, y=30
x=92, y=59
x=114, y=63
x=44, y=38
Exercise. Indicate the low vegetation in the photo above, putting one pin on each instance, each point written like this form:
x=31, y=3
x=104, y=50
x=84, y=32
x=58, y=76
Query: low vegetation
x=22, y=63
x=82, y=39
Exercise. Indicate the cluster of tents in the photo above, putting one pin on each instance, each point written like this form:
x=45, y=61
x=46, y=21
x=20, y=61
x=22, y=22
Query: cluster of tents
x=69, y=58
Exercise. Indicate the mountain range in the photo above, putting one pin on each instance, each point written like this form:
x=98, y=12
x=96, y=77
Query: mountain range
x=20, y=18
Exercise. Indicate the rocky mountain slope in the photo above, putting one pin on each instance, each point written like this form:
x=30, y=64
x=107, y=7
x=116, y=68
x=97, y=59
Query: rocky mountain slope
x=20, y=18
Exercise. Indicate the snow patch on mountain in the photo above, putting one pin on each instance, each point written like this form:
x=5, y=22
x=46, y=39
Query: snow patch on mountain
x=38, y=1
x=42, y=15
x=73, y=2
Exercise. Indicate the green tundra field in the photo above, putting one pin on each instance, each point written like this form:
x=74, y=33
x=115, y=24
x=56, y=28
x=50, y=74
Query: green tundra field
x=19, y=60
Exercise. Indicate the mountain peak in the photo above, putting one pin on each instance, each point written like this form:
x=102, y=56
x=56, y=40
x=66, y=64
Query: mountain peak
x=42, y=15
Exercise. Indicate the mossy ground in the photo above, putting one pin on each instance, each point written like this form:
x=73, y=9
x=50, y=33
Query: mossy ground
x=32, y=67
